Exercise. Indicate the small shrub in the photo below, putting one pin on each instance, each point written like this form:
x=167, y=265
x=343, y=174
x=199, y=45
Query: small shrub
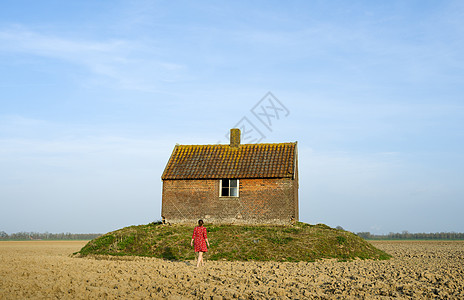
x=341, y=240
x=168, y=254
x=125, y=242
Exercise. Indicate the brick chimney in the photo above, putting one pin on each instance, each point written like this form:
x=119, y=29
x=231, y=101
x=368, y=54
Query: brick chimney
x=235, y=137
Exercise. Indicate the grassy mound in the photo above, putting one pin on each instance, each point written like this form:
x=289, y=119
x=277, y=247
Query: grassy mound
x=301, y=242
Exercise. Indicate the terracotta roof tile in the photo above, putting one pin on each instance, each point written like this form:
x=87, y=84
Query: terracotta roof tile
x=223, y=161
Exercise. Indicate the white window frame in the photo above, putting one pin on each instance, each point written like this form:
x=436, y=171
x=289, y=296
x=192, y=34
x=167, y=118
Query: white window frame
x=220, y=188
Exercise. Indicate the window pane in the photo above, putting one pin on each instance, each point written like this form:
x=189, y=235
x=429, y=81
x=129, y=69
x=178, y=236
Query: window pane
x=233, y=183
x=225, y=192
x=233, y=192
x=225, y=183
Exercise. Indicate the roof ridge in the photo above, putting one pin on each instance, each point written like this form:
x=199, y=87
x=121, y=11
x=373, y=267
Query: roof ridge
x=294, y=143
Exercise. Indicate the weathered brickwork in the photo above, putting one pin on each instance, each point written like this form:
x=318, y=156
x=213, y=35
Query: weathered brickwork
x=260, y=201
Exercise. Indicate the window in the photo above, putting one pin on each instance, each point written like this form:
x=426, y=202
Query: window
x=229, y=187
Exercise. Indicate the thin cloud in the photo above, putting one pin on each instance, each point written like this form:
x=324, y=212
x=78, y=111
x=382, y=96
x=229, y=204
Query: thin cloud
x=19, y=39
x=123, y=63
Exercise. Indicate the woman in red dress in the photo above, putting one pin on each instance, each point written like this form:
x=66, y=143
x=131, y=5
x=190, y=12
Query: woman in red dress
x=200, y=239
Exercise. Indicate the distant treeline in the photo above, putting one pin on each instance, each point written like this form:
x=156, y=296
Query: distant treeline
x=47, y=236
x=413, y=236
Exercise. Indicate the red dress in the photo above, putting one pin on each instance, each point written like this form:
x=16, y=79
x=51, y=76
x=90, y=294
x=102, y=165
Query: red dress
x=199, y=238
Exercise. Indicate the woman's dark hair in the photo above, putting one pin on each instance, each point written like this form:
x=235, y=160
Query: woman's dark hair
x=200, y=222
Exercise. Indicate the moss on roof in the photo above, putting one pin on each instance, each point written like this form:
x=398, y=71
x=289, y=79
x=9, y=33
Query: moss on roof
x=222, y=161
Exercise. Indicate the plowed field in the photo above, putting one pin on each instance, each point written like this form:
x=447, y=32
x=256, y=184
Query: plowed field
x=46, y=269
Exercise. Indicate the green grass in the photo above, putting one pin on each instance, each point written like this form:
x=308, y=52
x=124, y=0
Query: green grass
x=301, y=242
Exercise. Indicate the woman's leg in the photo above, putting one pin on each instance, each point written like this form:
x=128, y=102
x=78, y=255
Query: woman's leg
x=200, y=258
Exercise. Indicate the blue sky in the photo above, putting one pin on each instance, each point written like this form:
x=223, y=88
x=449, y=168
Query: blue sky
x=95, y=94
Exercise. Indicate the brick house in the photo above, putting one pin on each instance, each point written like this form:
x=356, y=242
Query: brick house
x=232, y=184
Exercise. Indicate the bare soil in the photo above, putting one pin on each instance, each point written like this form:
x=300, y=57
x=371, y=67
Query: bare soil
x=46, y=269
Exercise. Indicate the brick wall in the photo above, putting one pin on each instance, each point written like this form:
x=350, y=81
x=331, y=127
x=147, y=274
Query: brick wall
x=260, y=201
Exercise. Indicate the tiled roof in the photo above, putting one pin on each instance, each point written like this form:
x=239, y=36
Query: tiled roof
x=223, y=161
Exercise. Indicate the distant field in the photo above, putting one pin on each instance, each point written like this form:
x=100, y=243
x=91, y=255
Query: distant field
x=45, y=269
